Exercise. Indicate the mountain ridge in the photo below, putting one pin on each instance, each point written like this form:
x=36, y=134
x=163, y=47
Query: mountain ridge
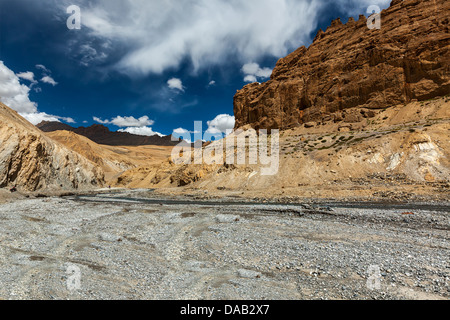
x=102, y=135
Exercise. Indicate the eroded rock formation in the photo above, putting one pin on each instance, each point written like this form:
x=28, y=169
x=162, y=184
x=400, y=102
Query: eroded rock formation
x=33, y=161
x=350, y=66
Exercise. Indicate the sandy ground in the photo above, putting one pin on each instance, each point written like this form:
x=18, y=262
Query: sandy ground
x=136, y=245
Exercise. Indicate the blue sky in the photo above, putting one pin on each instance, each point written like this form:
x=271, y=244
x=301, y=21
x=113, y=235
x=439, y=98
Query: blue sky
x=150, y=66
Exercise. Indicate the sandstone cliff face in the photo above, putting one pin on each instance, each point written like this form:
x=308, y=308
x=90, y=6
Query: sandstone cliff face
x=351, y=66
x=33, y=161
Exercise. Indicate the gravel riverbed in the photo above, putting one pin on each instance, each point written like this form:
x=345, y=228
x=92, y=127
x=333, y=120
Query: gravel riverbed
x=119, y=247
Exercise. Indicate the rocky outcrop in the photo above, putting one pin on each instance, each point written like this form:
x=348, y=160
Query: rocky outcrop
x=350, y=66
x=32, y=161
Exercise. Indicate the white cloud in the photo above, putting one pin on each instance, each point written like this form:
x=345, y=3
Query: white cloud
x=176, y=84
x=127, y=121
x=16, y=96
x=184, y=134
x=96, y=119
x=253, y=72
x=141, y=131
x=68, y=120
x=46, y=75
x=43, y=69
x=255, y=69
x=38, y=117
x=159, y=35
x=155, y=36
x=49, y=80
x=222, y=123
x=250, y=78
x=27, y=76
x=181, y=131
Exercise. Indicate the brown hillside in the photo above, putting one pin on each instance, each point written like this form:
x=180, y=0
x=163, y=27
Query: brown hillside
x=33, y=161
x=112, y=160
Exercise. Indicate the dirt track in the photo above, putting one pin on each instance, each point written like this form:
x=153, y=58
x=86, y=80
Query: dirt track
x=127, y=249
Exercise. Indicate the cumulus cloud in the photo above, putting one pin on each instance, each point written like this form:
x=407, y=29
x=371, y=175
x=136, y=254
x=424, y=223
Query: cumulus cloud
x=181, y=131
x=142, y=131
x=223, y=123
x=13, y=93
x=253, y=72
x=220, y=125
x=132, y=125
x=43, y=69
x=176, y=84
x=46, y=75
x=38, y=117
x=129, y=122
x=27, y=76
x=97, y=119
x=250, y=78
x=183, y=134
x=49, y=80
x=256, y=70
x=16, y=96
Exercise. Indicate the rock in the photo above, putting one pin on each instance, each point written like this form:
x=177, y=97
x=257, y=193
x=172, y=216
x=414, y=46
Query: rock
x=221, y=218
x=109, y=237
x=350, y=66
x=33, y=161
x=353, y=118
x=368, y=113
x=310, y=124
x=249, y=274
x=345, y=128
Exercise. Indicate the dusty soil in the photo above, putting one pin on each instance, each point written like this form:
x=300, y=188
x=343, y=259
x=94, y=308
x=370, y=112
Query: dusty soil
x=137, y=245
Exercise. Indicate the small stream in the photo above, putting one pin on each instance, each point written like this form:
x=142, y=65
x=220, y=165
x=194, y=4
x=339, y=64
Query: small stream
x=443, y=207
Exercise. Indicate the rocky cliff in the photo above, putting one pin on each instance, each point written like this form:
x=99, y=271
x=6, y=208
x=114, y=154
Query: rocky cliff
x=33, y=161
x=350, y=66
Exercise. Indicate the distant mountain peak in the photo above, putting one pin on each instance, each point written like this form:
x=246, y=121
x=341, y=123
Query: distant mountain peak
x=102, y=135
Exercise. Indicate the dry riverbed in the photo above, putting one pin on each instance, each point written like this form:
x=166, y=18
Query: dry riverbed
x=123, y=246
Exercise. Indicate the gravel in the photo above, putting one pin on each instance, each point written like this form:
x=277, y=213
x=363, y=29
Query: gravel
x=108, y=247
